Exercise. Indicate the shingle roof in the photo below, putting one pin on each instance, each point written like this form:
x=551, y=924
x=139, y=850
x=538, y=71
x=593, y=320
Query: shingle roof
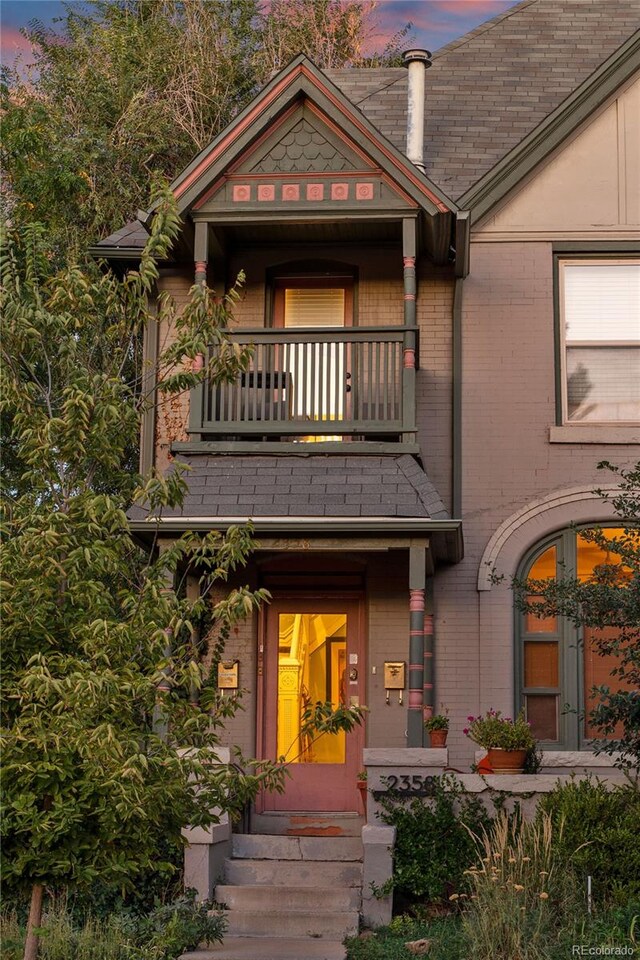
x=487, y=90
x=290, y=486
x=133, y=234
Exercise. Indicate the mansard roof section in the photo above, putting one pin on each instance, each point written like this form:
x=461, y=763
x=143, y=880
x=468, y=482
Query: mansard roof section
x=302, y=102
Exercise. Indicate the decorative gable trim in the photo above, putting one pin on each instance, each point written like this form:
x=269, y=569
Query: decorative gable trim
x=553, y=130
x=301, y=78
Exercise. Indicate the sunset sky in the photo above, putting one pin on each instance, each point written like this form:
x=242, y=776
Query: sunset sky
x=435, y=22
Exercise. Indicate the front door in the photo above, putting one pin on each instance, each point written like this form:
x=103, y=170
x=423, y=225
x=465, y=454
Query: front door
x=312, y=652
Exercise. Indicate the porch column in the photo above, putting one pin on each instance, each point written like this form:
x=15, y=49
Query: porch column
x=417, y=569
x=197, y=394
x=409, y=348
x=429, y=639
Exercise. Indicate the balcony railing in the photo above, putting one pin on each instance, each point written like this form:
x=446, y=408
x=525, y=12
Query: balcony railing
x=314, y=382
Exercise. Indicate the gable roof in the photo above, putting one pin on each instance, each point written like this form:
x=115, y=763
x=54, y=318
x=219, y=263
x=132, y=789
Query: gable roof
x=302, y=79
x=492, y=87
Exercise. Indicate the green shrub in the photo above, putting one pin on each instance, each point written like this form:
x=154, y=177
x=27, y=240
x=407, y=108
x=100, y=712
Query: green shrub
x=163, y=934
x=433, y=843
x=599, y=835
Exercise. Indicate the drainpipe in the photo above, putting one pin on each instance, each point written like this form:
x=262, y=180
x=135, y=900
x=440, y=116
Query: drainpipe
x=417, y=62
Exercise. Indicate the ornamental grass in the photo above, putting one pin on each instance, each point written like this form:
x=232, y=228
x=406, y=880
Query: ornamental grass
x=518, y=893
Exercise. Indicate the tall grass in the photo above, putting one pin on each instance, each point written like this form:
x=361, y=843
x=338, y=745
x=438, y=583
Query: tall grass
x=520, y=893
x=61, y=940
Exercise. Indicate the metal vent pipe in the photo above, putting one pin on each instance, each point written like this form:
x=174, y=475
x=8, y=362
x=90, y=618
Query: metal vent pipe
x=417, y=62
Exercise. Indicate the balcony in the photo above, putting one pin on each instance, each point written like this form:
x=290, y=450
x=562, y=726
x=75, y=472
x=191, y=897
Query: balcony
x=314, y=384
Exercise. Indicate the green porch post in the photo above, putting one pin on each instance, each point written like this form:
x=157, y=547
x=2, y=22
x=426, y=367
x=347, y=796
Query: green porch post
x=197, y=395
x=429, y=664
x=409, y=350
x=417, y=569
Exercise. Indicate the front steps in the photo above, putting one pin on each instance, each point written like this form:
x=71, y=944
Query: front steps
x=289, y=898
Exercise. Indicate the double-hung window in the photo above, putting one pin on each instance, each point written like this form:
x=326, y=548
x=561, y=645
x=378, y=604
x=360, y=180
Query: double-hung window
x=600, y=340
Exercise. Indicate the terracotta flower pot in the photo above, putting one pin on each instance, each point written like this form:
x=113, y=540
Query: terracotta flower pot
x=438, y=738
x=506, y=761
x=362, y=787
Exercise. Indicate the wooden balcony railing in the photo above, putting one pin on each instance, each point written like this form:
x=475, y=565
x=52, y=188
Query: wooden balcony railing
x=314, y=382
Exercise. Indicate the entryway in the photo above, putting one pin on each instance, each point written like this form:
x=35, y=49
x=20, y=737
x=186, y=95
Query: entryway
x=312, y=651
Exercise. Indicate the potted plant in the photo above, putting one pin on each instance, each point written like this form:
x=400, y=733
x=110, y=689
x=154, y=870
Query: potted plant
x=361, y=784
x=437, y=727
x=507, y=741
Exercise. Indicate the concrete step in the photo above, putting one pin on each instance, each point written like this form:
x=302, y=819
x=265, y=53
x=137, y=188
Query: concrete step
x=297, y=899
x=250, y=948
x=258, y=847
x=307, y=824
x=282, y=923
x=293, y=873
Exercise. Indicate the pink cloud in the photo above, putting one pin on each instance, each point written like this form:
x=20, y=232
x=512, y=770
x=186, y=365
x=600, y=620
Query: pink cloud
x=13, y=45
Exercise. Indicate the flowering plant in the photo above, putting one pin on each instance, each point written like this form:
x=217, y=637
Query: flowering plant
x=494, y=730
x=440, y=721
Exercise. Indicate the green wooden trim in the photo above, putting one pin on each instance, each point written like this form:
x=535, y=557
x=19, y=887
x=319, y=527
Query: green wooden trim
x=557, y=342
x=553, y=130
x=462, y=243
x=148, y=424
x=411, y=526
x=301, y=428
x=601, y=248
x=267, y=335
x=370, y=448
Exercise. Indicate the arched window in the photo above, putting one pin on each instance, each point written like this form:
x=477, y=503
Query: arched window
x=557, y=662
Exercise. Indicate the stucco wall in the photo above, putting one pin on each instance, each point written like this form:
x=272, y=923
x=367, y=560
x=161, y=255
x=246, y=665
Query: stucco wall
x=590, y=187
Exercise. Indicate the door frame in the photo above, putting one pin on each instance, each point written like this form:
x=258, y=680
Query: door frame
x=356, y=598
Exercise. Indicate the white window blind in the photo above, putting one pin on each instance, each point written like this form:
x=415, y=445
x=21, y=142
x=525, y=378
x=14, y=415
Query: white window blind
x=601, y=328
x=314, y=307
x=602, y=301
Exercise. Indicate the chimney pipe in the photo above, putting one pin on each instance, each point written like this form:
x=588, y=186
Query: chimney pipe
x=417, y=62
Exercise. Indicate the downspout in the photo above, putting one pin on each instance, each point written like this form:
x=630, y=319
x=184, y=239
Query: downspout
x=462, y=262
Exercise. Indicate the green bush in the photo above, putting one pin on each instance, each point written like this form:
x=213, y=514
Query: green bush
x=433, y=843
x=163, y=934
x=599, y=835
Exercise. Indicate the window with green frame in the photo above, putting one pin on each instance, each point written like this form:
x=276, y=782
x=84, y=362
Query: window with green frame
x=557, y=663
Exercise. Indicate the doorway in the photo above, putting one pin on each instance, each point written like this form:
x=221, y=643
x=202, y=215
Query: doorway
x=312, y=651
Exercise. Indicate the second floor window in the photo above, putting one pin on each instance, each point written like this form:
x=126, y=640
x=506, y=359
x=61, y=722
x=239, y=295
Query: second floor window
x=600, y=340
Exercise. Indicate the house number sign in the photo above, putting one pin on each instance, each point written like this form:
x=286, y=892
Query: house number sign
x=407, y=785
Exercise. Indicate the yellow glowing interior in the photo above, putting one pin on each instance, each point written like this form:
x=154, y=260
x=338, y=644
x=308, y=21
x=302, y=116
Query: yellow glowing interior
x=312, y=666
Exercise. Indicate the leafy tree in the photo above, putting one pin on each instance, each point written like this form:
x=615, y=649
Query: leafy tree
x=105, y=679
x=123, y=90
x=608, y=601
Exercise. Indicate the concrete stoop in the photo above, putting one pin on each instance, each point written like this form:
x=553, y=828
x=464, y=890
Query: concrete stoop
x=288, y=898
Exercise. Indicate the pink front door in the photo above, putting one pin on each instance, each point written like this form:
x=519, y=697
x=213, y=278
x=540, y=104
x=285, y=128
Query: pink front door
x=312, y=652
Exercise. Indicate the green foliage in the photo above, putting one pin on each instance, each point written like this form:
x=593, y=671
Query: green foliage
x=494, y=730
x=122, y=91
x=433, y=839
x=109, y=725
x=388, y=943
x=438, y=722
x=163, y=934
x=596, y=834
x=609, y=602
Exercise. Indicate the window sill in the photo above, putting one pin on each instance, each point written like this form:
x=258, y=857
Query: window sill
x=596, y=433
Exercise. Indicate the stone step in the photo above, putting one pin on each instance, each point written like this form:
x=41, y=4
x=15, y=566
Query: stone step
x=281, y=923
x=293, y=873
x=247, y=846
x=280, y=823
x=264, y=897
x=250, y=948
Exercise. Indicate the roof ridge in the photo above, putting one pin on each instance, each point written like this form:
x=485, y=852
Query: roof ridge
x=481, y=28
